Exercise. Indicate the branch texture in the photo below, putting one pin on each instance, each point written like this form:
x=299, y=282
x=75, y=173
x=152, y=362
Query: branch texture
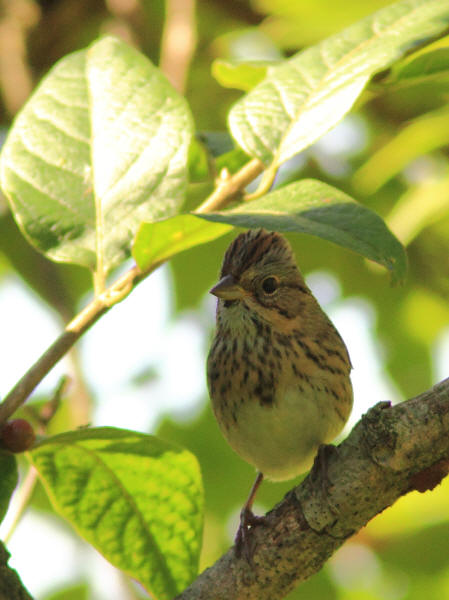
x=11, y=588
x=390, y=452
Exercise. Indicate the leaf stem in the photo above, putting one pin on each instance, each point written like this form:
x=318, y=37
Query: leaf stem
x=226, y=191
x=265, y=183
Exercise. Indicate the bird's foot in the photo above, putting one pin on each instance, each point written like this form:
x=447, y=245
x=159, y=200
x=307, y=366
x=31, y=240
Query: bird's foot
x=244, y=541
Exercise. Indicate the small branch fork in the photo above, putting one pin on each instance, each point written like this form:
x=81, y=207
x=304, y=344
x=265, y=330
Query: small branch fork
x=390, y=452
x=225, y=192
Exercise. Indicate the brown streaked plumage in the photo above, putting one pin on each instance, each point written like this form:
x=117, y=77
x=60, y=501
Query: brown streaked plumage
x=278, y=371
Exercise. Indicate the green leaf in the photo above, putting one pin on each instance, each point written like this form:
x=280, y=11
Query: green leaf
x=137, y=499
x=303, y=98
x=78, y=591
x=312, y=207
x=233, y=161
x=240, y=75
x=197, y=162
x=100, y=146
x=156, y=242
x=8, y=480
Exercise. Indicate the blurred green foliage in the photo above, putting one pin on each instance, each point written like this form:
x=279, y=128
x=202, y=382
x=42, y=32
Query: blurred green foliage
x=400, y=172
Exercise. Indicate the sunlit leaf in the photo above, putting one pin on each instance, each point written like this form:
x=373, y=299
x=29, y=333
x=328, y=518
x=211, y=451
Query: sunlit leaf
x=8, y=480
x=136, y=498
x=304, y=97
x=156, y=242
x=100, y=146
x=313, y=207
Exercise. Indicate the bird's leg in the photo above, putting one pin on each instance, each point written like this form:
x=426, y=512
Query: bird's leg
x=248, y=520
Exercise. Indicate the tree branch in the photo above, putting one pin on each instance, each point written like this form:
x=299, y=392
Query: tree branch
x=390, y=452
x=224, y=193
x=74, y=330
x=11, y=588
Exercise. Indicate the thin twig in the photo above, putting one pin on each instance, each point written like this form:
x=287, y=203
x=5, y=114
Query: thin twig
x=178, y=41
x=74, y=330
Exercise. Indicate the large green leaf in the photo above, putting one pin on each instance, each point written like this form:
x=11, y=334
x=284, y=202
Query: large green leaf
x=156, y=242
x=313, y=207
x=306, y=96
x=136, y=498
x=8, y=480
x=100, y=146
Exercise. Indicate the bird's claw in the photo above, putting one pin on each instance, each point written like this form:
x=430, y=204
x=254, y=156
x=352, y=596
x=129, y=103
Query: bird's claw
x=244, y=541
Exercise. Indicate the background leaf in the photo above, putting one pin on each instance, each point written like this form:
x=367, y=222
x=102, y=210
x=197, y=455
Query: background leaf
x=8, y=480
x=313, y=207
x=100, y=146
x=303, y=98
x=240, y=75
x=420, y=207
x=76, y=592
x=432, y=63
x=420, y=137
x=137, y=499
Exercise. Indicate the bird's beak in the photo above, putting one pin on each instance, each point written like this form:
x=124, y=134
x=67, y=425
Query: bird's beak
x=228, y=289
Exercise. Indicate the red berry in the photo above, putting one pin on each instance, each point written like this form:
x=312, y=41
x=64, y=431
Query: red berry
x=17, y=435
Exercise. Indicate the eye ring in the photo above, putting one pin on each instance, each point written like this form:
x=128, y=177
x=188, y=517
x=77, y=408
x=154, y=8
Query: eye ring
x=270, y=284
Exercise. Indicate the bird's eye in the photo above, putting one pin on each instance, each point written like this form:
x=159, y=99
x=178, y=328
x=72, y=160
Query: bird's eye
x=270, y=285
